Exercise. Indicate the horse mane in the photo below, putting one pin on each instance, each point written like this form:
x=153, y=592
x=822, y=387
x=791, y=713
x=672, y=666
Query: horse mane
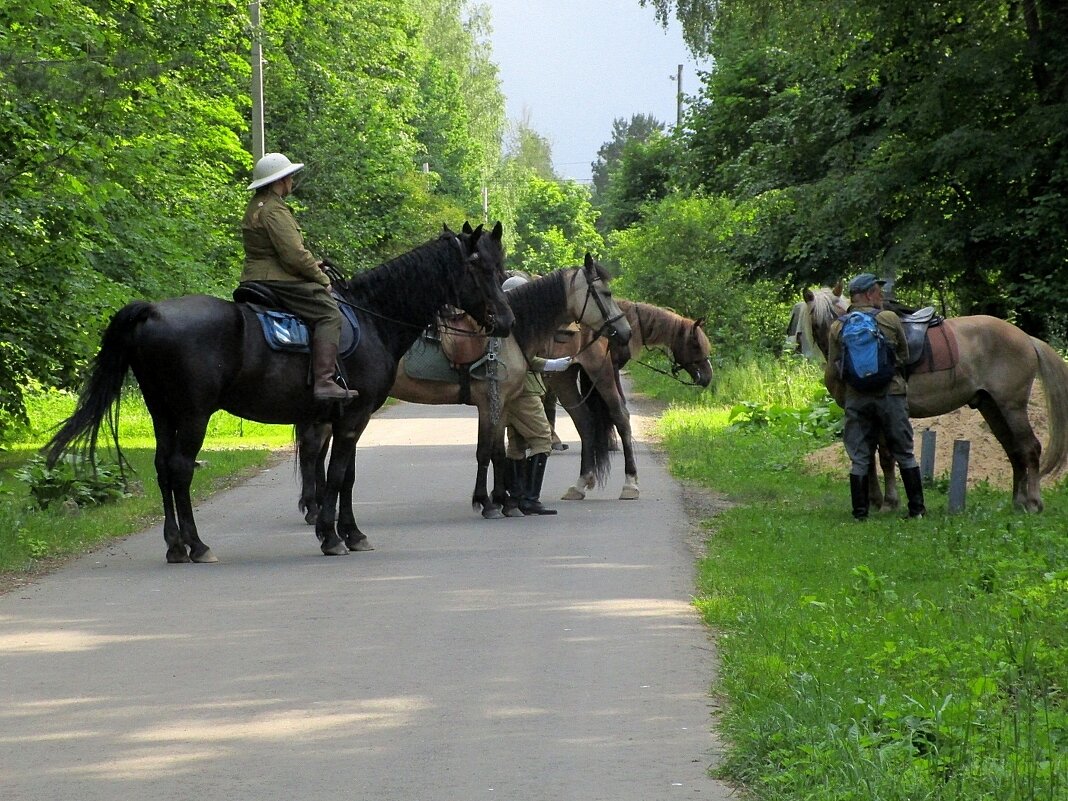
x=821, y=312
x=658, y=325
x=537, y=305
x=425, y=273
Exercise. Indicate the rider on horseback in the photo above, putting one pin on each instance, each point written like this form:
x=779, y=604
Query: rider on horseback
x=275, y=256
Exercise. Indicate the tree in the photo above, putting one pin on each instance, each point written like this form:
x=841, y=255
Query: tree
x=554, y=226
x=639, y=128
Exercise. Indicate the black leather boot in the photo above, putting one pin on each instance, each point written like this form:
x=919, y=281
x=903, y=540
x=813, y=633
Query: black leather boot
x=914, y=491
x=515, y=479
x=858, y=492
x=324, y=366
x=531, y=503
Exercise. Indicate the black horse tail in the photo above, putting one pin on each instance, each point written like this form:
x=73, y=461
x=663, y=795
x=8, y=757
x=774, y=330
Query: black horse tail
x=600, y=434
x=99, y=399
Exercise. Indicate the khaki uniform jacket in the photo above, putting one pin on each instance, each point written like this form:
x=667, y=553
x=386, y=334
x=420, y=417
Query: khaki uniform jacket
x=890, y=324
x=274, y=245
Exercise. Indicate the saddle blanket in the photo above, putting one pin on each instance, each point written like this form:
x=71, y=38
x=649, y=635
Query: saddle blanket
x=287, y=332
x=940, y=351
x=426, y=361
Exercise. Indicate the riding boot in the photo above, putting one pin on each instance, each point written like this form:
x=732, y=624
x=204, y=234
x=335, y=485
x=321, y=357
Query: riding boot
x=324, y=366
x=515, y=480
x=531, y=503
x=858, y=492
x=914, y=491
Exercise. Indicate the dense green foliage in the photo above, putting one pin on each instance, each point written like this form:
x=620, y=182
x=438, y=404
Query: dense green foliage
x=895, y=659
x=924, y=142
x=124, y=150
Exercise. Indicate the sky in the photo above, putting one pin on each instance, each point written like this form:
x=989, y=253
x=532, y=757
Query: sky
x=574, y=66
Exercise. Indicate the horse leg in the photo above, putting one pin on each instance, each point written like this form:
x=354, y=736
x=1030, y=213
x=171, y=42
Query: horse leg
x=891, y=499
x=617, y=406
x=491, y=508
x=1012, y=428
x=568, y=393
x=181, y=464
x=177, y=553
x=355, y=540
x=313, y=442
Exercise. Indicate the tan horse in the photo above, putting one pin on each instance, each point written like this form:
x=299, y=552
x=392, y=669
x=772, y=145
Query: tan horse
x=997, y=365
x=594, y=398
x=578, y=294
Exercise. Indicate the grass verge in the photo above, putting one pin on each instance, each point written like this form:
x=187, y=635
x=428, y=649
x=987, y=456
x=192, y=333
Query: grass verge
x=888, y=660
x=32, y=540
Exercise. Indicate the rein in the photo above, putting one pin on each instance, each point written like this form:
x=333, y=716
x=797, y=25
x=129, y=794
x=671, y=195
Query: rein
x=676, y=366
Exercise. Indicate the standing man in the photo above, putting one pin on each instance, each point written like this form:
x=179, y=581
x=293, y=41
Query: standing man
x=879, y=411
x=529, y=430
x=275, y=256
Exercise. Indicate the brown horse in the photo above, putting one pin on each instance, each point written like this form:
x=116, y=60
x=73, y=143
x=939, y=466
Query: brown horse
x=590, y=391
x=997, y=365
x=580, y=294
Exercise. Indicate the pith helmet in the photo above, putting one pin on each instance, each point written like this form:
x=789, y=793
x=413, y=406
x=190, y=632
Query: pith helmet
x=272, y=167
x=513, y=282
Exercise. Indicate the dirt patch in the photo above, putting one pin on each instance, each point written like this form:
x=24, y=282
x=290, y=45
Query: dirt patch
x=986, y=458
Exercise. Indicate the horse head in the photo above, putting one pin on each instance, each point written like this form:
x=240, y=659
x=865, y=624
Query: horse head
x=592, y=304
x=690, y=349
x=480, y=290
x=822, y=307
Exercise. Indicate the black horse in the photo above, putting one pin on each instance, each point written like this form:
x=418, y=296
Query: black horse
x=196, y=354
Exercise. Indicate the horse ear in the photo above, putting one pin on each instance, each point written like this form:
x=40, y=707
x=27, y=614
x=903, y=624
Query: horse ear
x=588, y=261
x=838, y=289
x=808, y=295
x=467, y=229
x=498, y=231
x=445, y=228
x=698, y=323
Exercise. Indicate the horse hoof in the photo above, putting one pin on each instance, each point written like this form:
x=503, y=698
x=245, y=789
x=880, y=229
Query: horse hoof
x=180, y=557
x=337, y=549
x=205, y=557
x=493, y=513
x=629, y=494
x=310, y=518
x=360, y=543
x=573, y=494
x=514, y=512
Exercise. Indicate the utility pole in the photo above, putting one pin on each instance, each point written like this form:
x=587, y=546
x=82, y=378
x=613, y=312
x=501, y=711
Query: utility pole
x=678, y=99
x=257, y=81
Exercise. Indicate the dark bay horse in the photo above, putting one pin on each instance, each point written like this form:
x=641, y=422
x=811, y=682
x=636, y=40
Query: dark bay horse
x=998, y=363
x=579, y=294
x=195, y=355
x=591, y=393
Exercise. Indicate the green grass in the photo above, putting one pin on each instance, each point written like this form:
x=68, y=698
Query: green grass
x=887, y=660
x=32, y=538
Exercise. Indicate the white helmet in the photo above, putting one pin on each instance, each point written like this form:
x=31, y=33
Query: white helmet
x=272, y=167
x=513, y=282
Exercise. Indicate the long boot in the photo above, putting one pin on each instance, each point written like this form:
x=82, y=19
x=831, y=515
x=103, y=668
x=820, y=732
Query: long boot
x=914, y=491
x=858, y=492
x=531, y=503
x=324, y=365
x=515, y=480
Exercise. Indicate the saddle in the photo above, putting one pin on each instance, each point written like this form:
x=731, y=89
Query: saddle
x=285, y=331
x=566, y=342
x=462, y=340
x=932, y=346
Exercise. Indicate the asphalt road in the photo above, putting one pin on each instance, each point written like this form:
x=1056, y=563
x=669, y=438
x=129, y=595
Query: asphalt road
x=537, y=659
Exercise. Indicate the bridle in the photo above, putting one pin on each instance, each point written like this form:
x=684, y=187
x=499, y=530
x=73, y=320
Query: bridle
x=608, y=327
x=676, y=365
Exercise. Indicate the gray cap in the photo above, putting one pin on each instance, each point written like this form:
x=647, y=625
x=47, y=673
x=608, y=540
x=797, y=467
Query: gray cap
x=863, y=283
